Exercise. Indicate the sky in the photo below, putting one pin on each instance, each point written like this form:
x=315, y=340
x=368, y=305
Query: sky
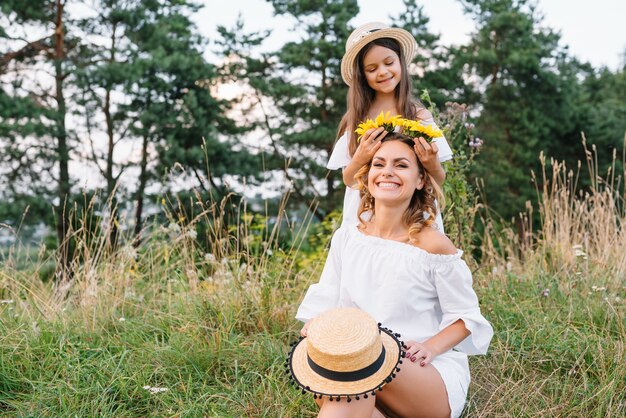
x=594, y=31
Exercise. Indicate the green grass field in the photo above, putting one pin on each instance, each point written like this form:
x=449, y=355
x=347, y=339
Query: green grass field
x=182, y=329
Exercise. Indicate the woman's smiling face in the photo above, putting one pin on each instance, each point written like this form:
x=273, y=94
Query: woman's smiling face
x=382, y=70
x=394, y=174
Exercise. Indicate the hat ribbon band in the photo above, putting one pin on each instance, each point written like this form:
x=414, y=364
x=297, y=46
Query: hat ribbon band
x=348, y=376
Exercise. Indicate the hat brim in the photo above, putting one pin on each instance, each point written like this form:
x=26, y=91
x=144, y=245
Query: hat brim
x=312, y=382
x=407, y=42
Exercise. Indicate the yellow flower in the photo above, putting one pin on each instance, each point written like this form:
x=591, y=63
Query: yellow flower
x=383, y=119
x=365, y=126
x=386, y=120
x=416, y=129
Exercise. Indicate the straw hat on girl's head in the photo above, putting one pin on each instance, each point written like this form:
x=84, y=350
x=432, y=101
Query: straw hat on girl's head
x=365, y=34
x=345, y=355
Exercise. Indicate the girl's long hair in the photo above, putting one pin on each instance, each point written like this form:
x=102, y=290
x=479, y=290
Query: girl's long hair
x=361, y=95
x=423, y=201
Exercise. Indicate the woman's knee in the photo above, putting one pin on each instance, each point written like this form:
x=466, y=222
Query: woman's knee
x=415, y=392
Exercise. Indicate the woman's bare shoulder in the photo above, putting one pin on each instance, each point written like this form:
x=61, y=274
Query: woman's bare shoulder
x=435, y=242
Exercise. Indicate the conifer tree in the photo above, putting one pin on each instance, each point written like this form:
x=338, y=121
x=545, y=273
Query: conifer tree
x=40, y=67
x=310, y=95
x=526, y=82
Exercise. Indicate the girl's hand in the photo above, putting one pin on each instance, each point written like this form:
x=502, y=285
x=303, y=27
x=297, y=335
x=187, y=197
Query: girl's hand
x=368, y=145
x=419, y=352
x=305, y=328
x=427, y=153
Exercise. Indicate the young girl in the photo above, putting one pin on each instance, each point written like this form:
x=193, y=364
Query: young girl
x=410, y=277
x=375, y=67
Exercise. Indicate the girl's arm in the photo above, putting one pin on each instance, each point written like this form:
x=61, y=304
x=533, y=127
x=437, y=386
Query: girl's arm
x=369, y=144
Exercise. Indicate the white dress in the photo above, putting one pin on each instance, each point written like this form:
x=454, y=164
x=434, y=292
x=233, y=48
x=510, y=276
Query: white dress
x=410, y=291
x=340, y=158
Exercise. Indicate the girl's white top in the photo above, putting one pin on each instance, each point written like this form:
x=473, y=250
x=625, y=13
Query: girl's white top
x=407, y=289
x=340, y=158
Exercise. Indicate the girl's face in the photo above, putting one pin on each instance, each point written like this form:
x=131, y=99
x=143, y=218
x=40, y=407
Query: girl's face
x=381, y=67
x=394, y=175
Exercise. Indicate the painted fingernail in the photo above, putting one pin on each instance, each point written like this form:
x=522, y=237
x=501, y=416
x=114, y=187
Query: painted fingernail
x=413, y=359
x=422, y=364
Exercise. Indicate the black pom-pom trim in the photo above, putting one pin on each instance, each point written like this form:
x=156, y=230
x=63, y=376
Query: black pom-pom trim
x=337, y=397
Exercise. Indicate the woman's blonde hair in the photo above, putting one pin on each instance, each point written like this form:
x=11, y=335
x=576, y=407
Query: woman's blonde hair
x=423, y=201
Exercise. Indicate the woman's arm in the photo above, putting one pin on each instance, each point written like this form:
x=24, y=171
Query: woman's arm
x=439, y=343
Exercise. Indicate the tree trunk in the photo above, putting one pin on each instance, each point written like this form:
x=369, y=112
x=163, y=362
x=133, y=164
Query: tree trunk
x=110, y=179
x=62, y=227
x=143, y=176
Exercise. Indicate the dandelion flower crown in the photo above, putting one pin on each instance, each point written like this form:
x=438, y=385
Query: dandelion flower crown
x=411, y=128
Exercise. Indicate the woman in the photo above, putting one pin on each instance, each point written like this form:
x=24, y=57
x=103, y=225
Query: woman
x=409, y=276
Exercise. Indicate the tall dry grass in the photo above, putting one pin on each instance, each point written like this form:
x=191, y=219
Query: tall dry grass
x=579, y=228
x=555, y=290
x=196, y=320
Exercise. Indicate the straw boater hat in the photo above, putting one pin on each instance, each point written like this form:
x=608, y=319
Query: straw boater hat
x=345, y=356
x=365, y=34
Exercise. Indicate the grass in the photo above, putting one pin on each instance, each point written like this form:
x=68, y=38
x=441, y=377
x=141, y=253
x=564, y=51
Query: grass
x=187, y=327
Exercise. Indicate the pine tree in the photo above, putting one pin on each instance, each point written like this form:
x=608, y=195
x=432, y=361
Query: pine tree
x=310, y=95
x=527, y=85
x=44, y=155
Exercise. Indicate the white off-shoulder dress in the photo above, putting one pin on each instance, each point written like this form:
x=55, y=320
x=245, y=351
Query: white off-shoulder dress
x=410, y=291
x=340, y=158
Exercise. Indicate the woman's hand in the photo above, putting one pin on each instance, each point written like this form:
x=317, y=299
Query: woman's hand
x=368, y=145
x=305, y=328
x=419, y=352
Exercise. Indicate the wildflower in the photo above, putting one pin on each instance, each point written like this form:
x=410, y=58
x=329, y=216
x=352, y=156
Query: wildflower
x=122, y=319
x=383, y=119
x=192, y=234
x=476, y=143
x=155, y=390
x=416, y=129
x=191, y=274
x=6, y=301
x=209, y=257
x=469, y=125
x=545, y=293
x=130, y=252
x=269, y=252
